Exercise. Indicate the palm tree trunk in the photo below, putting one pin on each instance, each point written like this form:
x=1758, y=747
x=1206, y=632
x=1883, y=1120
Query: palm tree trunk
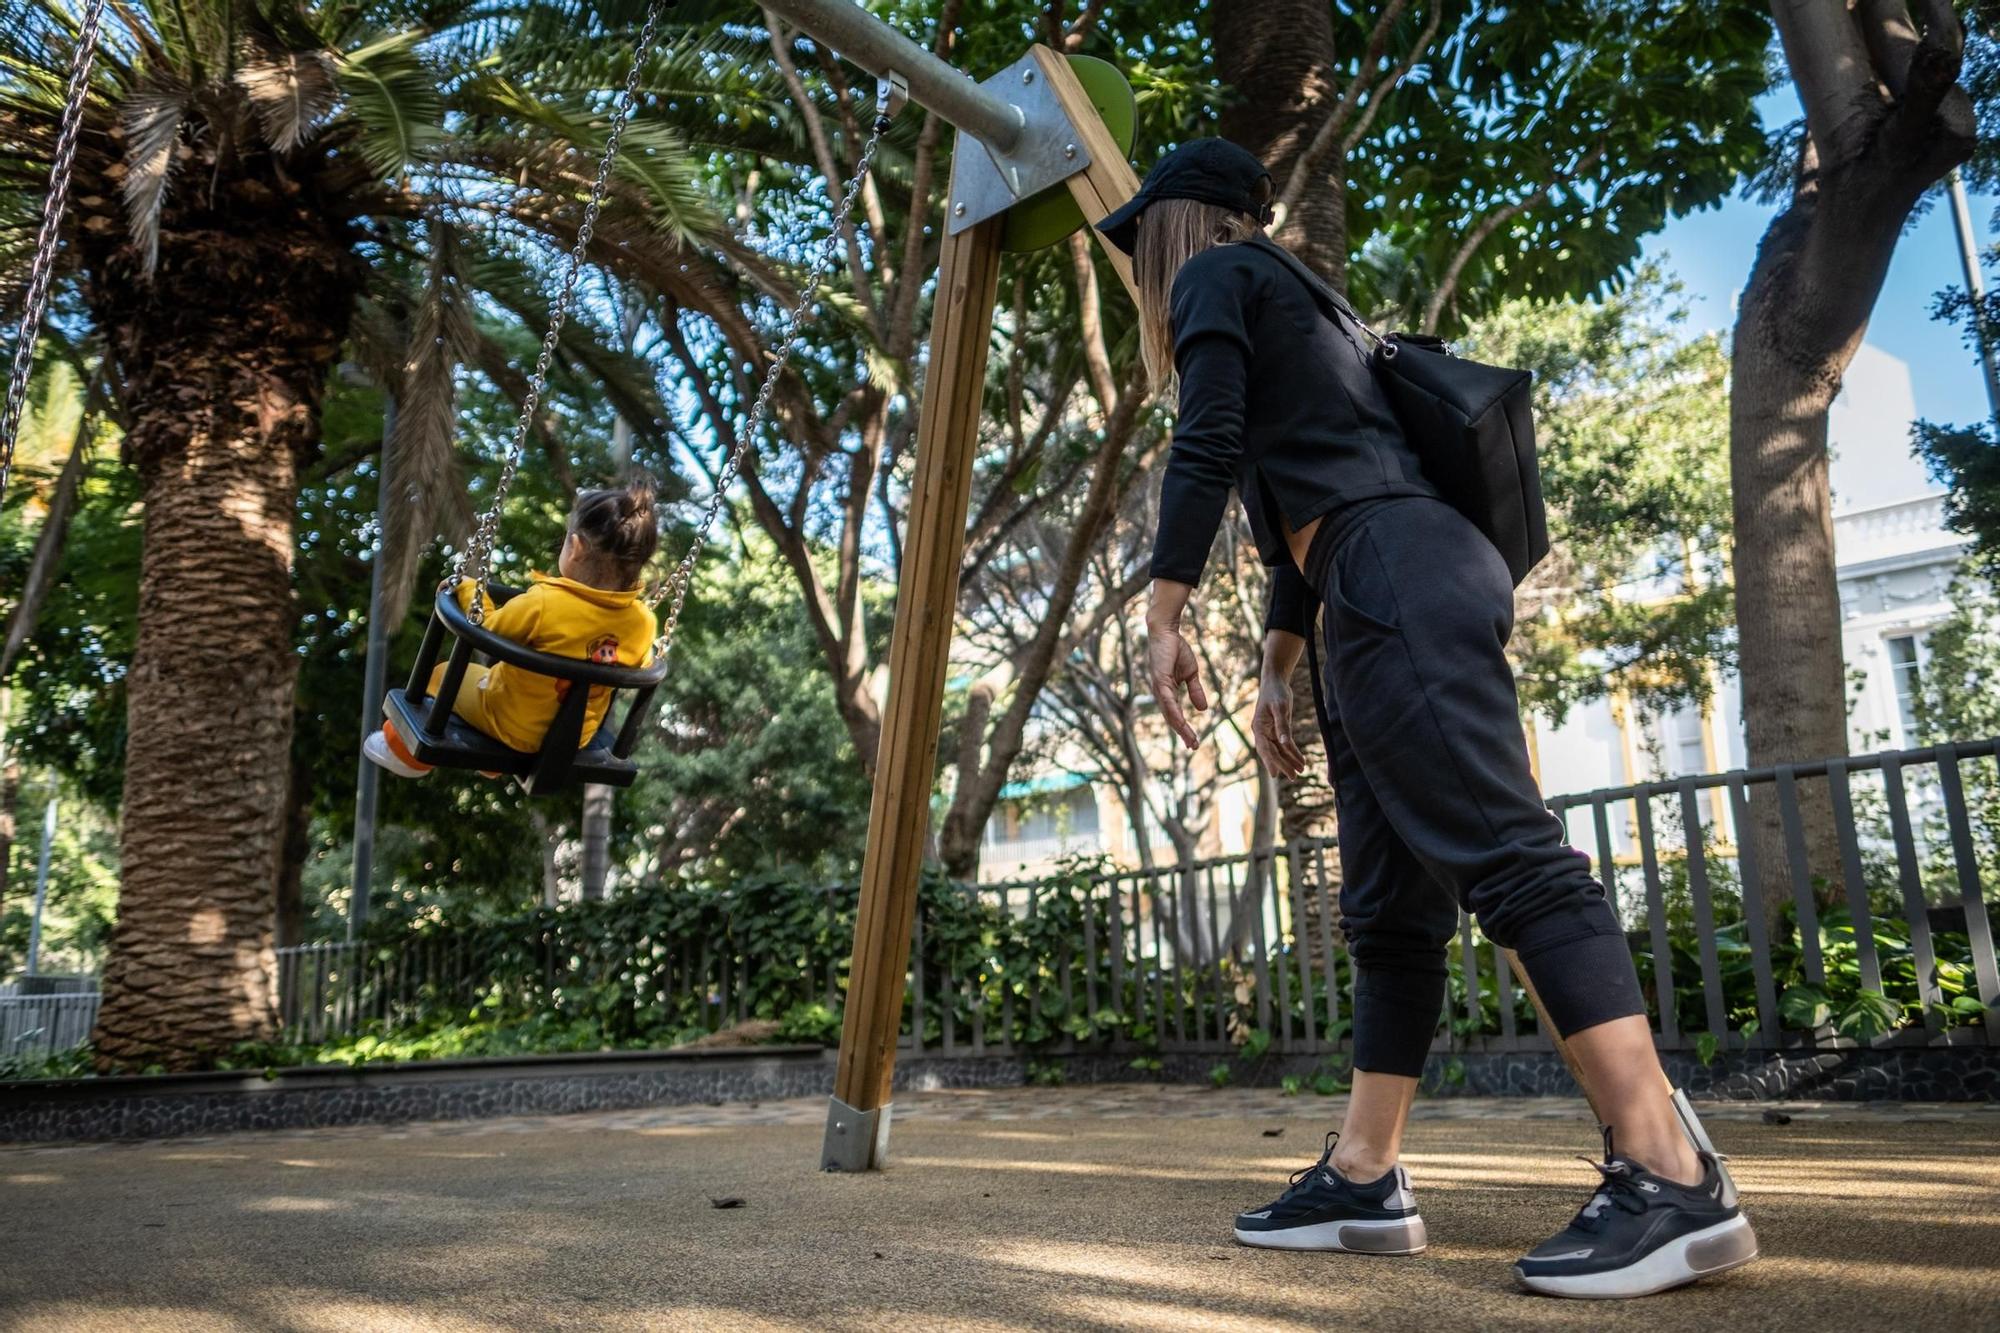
x=1277, y=59
x=224, y=356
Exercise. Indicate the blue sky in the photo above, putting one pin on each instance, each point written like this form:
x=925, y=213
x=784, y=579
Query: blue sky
x=1711, y=252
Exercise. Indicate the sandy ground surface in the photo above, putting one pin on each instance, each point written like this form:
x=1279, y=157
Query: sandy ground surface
x=1042, y=1209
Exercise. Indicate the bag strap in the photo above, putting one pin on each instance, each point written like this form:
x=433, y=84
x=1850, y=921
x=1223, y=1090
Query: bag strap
x=1330, y=301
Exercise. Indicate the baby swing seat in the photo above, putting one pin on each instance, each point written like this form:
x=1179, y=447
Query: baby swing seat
x=436, y=737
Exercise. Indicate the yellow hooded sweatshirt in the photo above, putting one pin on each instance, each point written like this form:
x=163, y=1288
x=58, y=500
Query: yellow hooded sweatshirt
x=568, y=619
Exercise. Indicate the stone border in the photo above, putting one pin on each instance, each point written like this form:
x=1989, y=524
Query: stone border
x=175, y=1105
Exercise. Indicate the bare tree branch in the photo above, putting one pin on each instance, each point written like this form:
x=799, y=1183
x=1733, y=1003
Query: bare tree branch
x=1359, y=129
x=1836, y=80
x=1448, y=283
x=1343, y=106
x=829, y=168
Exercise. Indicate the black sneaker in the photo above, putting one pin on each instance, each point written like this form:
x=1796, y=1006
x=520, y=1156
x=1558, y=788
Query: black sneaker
x=1323, y=1210
x=1641, y=1233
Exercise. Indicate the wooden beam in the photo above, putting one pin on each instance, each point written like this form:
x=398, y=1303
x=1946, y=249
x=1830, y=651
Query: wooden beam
x=1109, y=180
x=926, y=607
x=1549, y=1028
x=920, y=644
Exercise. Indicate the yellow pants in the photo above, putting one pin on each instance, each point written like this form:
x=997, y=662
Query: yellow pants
x=471, y=701
x=469, y=705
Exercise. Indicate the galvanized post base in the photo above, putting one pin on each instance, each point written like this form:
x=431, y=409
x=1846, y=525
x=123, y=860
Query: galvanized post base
x=1697, y=1136
x=855, y=1140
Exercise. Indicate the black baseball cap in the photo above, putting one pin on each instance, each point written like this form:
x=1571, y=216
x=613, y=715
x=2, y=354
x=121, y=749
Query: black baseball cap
x=1210, y=171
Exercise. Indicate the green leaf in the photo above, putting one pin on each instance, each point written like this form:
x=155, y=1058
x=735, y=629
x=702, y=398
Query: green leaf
x=393, y=100
x=1706, y=1044
x=1804, y=1006
x=1868, y=1016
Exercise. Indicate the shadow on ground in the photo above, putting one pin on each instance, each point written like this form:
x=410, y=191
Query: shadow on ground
x=1066, y=1220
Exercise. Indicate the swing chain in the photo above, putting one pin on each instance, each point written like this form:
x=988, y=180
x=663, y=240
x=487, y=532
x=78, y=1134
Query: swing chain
x=42, y=271
x=477, y=557
x=790, y=334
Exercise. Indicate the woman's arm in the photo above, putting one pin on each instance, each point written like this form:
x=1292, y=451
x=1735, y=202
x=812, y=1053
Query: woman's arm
x=1291, y=601
x=1212, y=297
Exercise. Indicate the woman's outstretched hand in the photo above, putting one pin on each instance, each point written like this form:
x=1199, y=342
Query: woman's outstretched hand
x=1271, y=727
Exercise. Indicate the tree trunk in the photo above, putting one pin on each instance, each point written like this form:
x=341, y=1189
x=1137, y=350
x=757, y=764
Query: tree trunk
x=1886, y=122
x=1276, y=57
x=596, y=837
x=224, y=356
x=291, y=900
x=10, y=804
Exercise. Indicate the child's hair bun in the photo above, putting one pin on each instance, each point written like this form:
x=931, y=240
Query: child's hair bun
x=620, y=525
x=636, y=500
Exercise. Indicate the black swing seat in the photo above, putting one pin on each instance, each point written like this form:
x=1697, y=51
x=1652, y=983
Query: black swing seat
x=436, y=737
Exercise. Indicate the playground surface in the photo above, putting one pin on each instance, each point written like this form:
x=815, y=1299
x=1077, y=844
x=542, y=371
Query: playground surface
x=1088, y=1208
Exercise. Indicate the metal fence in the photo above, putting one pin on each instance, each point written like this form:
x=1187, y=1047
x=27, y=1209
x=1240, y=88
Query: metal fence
x=53, y=1017
x=1889, y=942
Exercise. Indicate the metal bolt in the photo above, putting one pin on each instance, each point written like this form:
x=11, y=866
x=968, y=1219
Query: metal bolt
x=1027, y=76
x=1069, y=150
x=958, y=210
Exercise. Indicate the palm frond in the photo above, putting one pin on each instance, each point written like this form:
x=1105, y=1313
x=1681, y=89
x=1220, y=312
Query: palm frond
x=290, y=92
x=152, y=119
x=429, y=495
x=586, y=357
x=651, y=156
x=393, y=100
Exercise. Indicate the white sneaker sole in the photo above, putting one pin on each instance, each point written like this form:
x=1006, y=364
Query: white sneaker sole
x=1399, y=1236
x=380, y=755
x=1697, y=1255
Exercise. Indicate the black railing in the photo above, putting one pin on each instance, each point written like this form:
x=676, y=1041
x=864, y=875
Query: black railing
x=1890, y=941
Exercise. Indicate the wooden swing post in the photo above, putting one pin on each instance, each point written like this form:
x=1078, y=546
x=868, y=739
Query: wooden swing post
x=857, y=1131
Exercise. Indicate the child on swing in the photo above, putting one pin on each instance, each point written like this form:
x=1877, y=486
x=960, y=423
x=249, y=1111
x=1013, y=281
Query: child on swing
x=592, y=611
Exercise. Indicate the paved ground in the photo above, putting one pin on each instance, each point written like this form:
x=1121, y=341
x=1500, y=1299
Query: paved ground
x=1094, y=1208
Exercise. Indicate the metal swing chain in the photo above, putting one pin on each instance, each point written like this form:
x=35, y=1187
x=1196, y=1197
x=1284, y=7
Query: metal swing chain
x=674, y=592
x=42, y=271
x=478, y=554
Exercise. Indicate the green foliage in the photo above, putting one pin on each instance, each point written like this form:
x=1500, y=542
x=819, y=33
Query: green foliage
x=753, y=767
x=83, y=880
x=1632, y=429
x=73, y=1063
x=1222, y=1075
x=811, y=1023
x=1583, y=127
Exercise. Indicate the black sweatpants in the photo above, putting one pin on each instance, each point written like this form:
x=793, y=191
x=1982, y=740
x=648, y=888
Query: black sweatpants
x=1437, y=804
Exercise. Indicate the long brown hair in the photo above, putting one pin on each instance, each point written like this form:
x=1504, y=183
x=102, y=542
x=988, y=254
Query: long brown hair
x=1171, y=232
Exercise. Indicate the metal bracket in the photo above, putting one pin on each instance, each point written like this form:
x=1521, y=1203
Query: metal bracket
x=986, y=184
x=892, y=94
x=855, y=1140
x=1691, y=1126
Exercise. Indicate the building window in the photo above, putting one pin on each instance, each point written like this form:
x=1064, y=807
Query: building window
x=1683, y=751
x=1044, y=826
x=1905, y=674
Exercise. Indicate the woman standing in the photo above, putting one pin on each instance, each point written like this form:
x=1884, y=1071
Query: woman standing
x=1437, y=805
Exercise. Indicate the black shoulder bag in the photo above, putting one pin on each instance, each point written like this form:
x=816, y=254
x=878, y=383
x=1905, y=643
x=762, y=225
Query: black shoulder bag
x=1470, y=424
